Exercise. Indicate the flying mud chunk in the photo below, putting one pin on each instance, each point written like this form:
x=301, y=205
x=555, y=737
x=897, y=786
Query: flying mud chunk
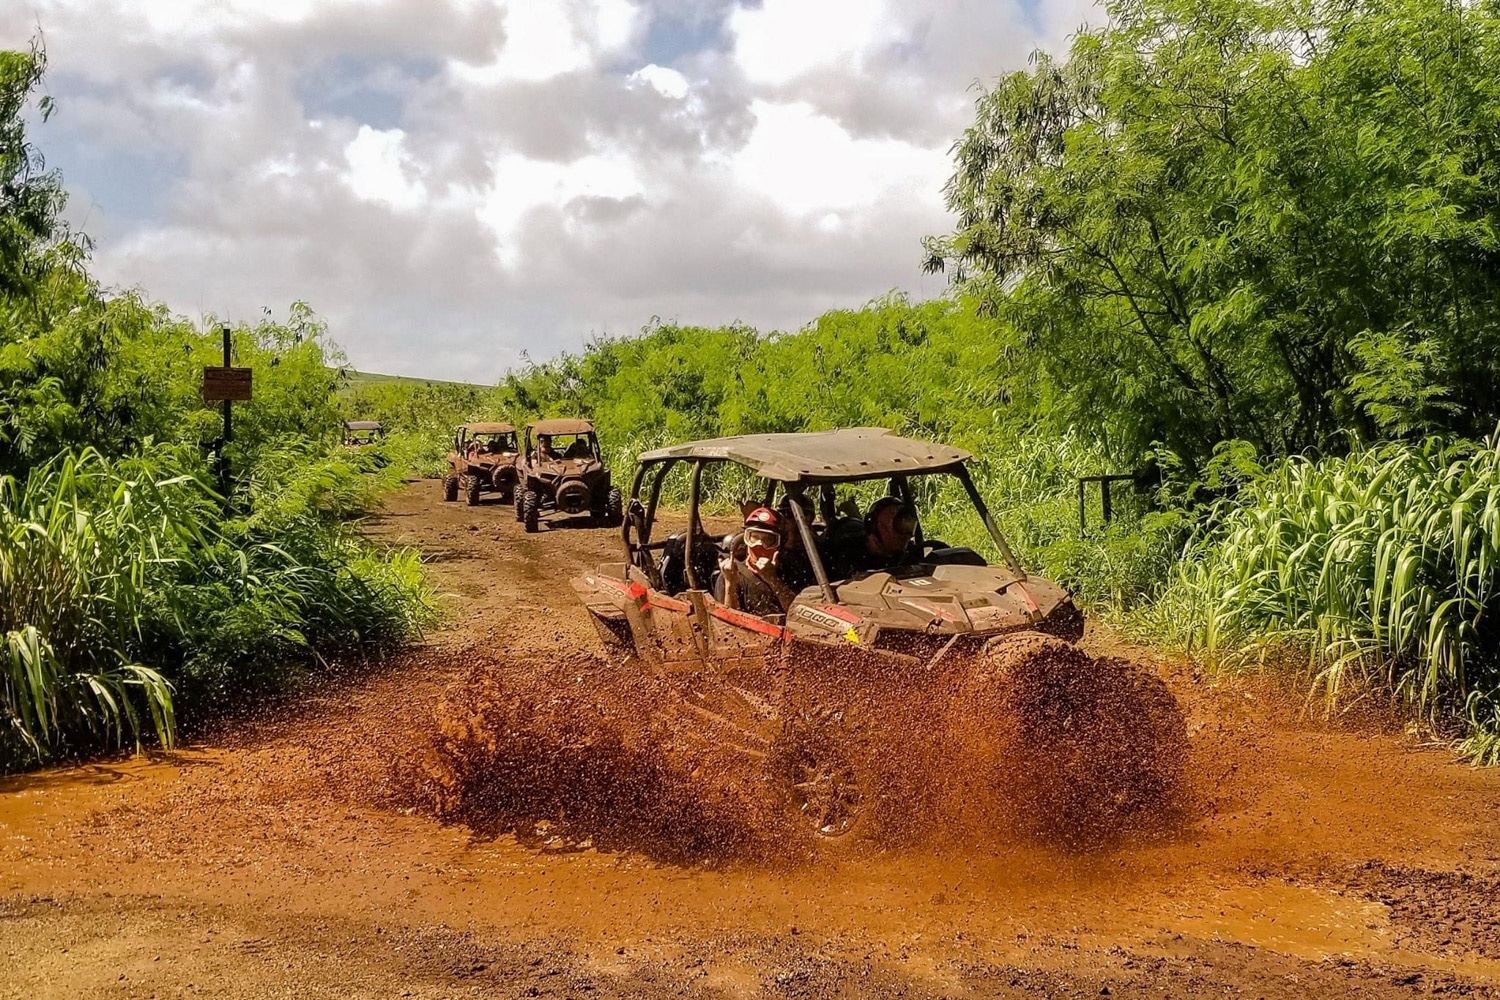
x=564, y=752
x=1087, y=750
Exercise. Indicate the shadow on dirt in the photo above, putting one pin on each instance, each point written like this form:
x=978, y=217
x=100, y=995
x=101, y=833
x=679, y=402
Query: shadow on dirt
x=574, y=522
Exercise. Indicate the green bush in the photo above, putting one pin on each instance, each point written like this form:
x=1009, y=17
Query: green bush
x=125, y=595
x=1377, y=572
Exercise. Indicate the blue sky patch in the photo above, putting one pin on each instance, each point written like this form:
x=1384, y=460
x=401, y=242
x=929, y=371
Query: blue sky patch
x=670, y=38
x=370, y=91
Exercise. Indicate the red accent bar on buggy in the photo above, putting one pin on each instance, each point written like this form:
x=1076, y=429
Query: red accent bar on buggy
x=636, y=592
x=741, y=619
x=629, y=588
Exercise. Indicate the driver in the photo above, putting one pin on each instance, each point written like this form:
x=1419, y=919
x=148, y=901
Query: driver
x=544, y=448
x=890, y=525
x=748, y=579
x=884, y=543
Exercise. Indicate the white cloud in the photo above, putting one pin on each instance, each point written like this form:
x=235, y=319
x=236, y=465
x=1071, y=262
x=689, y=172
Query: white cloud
x=450, y=182
x=807, y=164
x=547, y=38
x=666, y=82
x=523, y=186
x=784, y=39
x=380, y=169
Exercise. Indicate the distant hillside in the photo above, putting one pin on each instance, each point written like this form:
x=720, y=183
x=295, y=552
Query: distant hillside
x=359, y=380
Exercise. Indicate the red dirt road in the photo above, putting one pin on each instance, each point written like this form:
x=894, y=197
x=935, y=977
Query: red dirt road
x=272, y=857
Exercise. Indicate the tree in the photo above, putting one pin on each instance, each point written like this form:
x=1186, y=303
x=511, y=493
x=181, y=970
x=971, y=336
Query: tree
x=31, y=197
x=1223, y=219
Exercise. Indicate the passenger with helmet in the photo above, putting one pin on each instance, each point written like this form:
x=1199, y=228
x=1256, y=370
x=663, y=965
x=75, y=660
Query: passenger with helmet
x=748, y=579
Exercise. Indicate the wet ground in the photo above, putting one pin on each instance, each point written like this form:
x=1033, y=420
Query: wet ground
x=283, y=855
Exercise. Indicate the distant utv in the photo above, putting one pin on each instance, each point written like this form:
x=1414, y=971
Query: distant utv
x=483, y=460
x=561, y=470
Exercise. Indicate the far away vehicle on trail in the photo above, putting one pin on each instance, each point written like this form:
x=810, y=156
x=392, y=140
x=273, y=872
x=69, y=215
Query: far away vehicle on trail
x=561, y=469
x=483, y=460
x=360, y=433
x=899, y=695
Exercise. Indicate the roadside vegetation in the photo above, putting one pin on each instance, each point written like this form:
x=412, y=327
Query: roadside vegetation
x=134, y=598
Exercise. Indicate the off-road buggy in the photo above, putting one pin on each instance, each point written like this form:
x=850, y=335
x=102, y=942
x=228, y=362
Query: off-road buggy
x=562, y=470
x=362, y=433
x=483, y=460
x=890, y=692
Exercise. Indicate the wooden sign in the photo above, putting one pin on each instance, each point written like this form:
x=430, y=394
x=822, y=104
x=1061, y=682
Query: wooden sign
x=226, y=383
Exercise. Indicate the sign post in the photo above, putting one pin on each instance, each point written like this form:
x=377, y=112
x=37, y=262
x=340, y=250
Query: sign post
x=226, y=384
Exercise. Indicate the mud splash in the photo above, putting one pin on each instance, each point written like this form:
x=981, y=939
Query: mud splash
x=1091, y=750
x=565, y=752
x=1035, y=742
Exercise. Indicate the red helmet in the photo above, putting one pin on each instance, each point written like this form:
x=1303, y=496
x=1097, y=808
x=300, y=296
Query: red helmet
x=763, y=517
x=763, y=528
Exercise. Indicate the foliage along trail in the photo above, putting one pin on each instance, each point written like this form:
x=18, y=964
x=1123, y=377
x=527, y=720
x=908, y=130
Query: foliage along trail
x=278, y=853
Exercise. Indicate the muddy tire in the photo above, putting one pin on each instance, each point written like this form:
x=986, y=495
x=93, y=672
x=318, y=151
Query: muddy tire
x=450, y=487
x=827, y=791
x=521, y=494
x=472, y=488
x=532, y=511
x=614, y=508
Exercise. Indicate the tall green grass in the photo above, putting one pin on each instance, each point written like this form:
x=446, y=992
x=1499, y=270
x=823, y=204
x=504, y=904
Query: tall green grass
x=79, y=553
x=125, y=593
x=1378, y=573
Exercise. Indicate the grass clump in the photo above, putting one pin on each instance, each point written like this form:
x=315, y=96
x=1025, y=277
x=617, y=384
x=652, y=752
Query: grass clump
x=125, y=594
x=1378, y=572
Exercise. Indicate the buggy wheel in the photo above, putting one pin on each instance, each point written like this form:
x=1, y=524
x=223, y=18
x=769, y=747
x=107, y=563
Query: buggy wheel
x=450, y=487
x=522, y=499
x=472, y=485
x=532, y=512
x=614, y=508
x=829, y=796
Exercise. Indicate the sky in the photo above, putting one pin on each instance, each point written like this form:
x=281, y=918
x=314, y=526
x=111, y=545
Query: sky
x=451, y=185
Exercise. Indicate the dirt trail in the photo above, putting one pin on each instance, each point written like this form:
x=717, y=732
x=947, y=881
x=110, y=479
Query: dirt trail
x=274, y=857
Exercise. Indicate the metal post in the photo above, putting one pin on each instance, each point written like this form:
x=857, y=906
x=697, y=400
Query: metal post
x=224, y=479
x=810, y=543
x=627, y=523
x=691, y=538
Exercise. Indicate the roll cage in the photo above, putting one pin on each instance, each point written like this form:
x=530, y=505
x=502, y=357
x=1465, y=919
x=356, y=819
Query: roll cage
x=653, y=468
x=587, y=438
x=465, y=433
